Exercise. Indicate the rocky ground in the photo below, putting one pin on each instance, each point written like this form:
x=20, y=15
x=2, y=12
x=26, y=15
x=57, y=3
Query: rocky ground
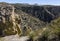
x=14, y=38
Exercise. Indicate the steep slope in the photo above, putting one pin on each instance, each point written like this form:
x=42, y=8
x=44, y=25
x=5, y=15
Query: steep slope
x=48, y=33
x=7, y=19
x=52, y=32
x=41, y=23
x=45, y=13
x=17, y=23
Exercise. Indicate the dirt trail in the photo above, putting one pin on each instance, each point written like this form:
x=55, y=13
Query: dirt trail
x=14, y=38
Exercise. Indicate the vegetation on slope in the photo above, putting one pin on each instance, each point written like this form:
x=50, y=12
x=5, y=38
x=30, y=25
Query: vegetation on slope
x=48, y=33
x=32, y=26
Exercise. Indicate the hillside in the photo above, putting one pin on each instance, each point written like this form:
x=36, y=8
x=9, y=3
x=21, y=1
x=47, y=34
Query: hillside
x=45, y=13
x=37, y=22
